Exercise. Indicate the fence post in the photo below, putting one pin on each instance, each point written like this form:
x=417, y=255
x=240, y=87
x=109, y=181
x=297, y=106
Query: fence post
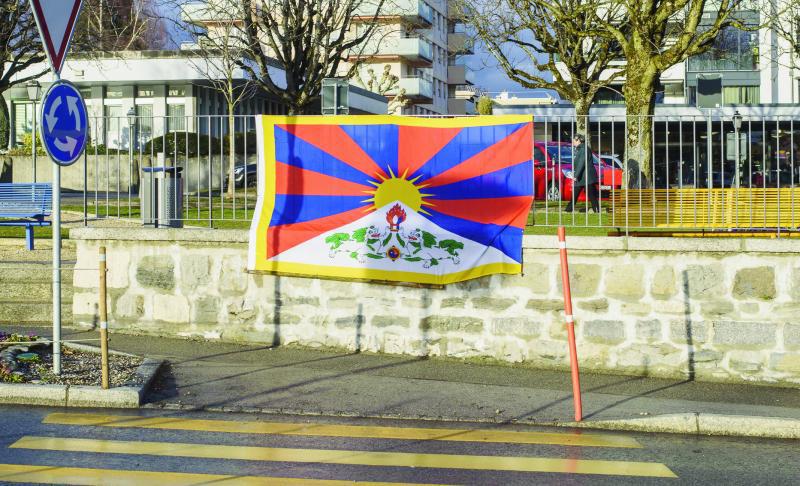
x=103, y=319
x=573, y=353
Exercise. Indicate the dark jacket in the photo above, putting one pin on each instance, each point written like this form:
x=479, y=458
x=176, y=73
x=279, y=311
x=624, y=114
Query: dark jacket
x=581, y=158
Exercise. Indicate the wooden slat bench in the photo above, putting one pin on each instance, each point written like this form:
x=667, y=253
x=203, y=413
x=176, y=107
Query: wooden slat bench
x=728, y=208
x=25, y=205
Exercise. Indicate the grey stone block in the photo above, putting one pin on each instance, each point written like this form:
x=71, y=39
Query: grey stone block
x=233, y=279
x=625, y=282
x=593, y=305
x=704, y=281
x=744, y=334
x=515, y=326
x=791, y=336
x=206, y=309
x=706, y=356
x=47, y=395
x=604, y=332
x=755, y=283
x=716, y=308
x=545, y=304
x=157, y=272
x=584, y=280
x=448, y=324
x=195, y=270
x=663, y=283
x=387, y=321
x=648, y=330
x=454, y=302
x=491, y=303
x=785, y=362
x=691, y=332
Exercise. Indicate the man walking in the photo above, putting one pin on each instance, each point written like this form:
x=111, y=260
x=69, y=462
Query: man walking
x=584, y=173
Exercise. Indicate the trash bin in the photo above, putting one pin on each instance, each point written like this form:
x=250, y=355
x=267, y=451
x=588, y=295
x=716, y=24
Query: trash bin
x=161, y=197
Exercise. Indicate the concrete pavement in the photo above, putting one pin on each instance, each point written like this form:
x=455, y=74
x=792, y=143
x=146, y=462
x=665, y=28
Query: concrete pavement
x=214, y=376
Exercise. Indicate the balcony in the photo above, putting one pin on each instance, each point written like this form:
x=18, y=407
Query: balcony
x=461, y=106
x=212, y=11
x=457, y=10
x=417, y=89
x=414, y=12
x=414, y=50
x=460, y=74
x=459, y=43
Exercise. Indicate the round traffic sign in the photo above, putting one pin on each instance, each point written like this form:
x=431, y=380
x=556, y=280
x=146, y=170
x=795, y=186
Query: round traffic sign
x=64, y=123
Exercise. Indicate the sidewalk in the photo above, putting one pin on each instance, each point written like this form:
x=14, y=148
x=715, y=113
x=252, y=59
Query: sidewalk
x=226, y=377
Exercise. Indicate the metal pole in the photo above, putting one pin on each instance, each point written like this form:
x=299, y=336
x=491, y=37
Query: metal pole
x=56, y=269
x=736, y=152
x=573, y=353
x=33, y=141
x=103, y=319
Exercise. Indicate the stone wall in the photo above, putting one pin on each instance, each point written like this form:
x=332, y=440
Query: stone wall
x=715, y=309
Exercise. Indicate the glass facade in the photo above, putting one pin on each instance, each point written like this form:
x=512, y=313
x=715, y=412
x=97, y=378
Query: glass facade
x=733, y=50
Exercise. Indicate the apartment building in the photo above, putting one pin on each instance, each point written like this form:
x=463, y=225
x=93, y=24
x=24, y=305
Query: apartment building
x=754, y=68
x=422, y=41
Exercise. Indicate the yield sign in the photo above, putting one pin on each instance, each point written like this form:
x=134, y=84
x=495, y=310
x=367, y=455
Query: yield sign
x=56, y=21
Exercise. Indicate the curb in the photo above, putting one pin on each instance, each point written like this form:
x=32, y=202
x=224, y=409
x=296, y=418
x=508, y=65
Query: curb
x=682, y=423
x=700, y=424
x=82, y=395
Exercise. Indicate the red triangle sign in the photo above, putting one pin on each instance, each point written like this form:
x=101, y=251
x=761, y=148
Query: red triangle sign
x=56, y=20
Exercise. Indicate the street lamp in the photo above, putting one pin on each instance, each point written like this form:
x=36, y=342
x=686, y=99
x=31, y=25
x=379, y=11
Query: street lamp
x=34, y=92
x=737, y=125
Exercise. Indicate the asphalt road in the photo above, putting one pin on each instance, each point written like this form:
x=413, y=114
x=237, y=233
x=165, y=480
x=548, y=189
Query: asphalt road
x=157, y=447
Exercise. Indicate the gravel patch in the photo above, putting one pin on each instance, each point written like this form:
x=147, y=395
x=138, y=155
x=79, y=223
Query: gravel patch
x=77, y=368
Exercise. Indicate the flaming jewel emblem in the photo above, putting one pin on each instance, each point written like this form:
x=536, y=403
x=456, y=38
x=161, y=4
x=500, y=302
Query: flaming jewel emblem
x=395, y=216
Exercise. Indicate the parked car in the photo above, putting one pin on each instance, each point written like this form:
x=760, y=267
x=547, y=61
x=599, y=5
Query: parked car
x=552, y=172
x=244, y=174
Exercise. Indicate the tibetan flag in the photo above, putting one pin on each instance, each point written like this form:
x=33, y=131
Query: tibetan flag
x=392, y=198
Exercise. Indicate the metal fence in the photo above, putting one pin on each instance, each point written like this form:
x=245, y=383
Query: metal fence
x=700, y=173
x=705, y=173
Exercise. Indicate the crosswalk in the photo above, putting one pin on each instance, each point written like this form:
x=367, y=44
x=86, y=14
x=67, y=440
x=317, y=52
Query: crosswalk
x=332, y=453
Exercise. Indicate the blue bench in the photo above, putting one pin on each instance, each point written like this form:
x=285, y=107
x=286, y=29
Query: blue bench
x=26, y=205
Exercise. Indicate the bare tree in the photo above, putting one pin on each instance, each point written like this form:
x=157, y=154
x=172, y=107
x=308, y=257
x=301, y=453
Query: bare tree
x=118, y=25
x=654, y=35
x=217, y=55
x=530, y=38
x=308, y=40
x=20, y=49
x=387, y=85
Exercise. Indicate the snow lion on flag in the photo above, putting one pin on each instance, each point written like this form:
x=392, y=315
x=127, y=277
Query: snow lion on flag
x=392, y=198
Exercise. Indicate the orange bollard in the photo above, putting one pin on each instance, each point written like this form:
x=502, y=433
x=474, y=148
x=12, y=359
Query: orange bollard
x=573, y=353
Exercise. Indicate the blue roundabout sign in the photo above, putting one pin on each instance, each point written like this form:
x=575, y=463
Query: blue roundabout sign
x=64, y=123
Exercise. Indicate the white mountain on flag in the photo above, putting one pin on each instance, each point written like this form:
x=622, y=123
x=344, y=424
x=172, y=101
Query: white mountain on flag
x=394, y=237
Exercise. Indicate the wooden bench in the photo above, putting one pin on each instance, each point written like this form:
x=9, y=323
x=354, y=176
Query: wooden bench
x=26, y=205
x=725, y=208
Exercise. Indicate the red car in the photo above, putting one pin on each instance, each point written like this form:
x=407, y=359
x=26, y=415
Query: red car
x=552, y=173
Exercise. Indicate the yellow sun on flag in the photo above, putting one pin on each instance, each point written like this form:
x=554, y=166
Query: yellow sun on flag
x=394, y=188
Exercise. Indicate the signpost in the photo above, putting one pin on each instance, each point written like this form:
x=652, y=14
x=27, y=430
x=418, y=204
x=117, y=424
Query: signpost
x=63, y=126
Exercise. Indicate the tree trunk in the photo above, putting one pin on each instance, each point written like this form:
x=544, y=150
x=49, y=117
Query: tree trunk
x=231, y=147
x=640, y=95
x=5, y=124
x=582, y=116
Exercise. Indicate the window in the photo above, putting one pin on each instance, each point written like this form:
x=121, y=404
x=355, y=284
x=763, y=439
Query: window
x=113, y=93
x=23, y=120
x=733, y=50
x=145, y=92
x=114, y=133
x=176, y=91
x=741, y=95
x=144, y=124
x=176, y=120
